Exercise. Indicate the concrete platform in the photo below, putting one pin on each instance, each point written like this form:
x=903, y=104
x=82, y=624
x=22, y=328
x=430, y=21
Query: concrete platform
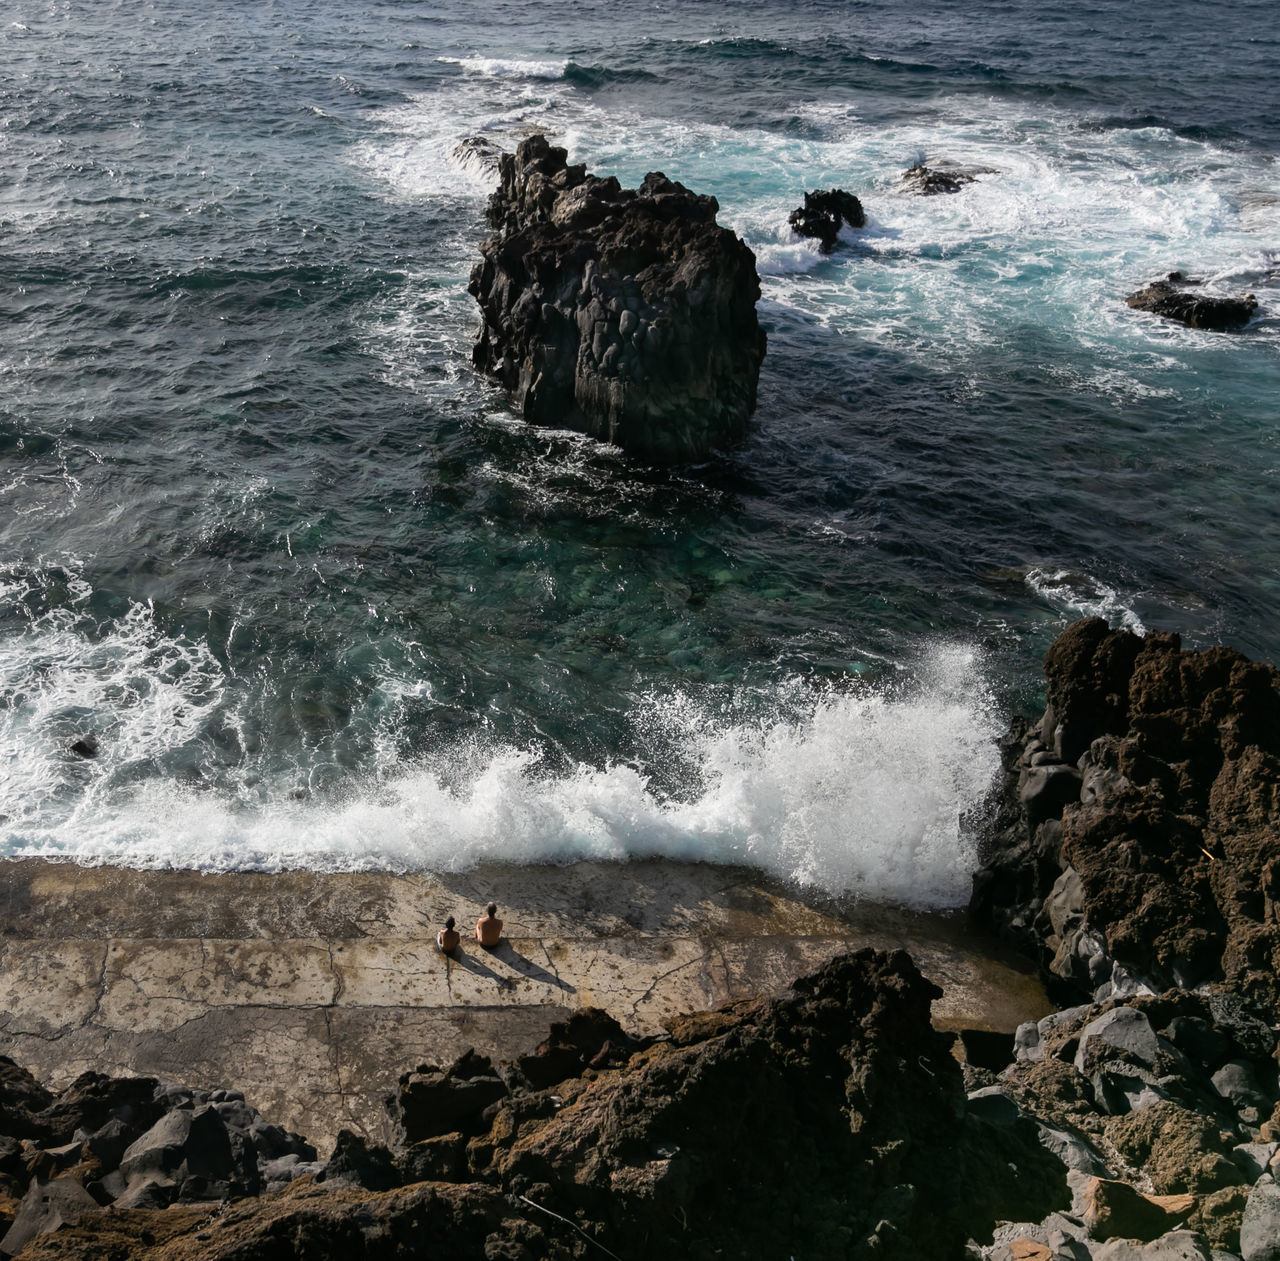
x=312, y=992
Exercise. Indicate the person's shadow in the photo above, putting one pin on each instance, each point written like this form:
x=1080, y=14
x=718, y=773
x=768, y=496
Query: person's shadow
x=476, y=968
x=526, y=967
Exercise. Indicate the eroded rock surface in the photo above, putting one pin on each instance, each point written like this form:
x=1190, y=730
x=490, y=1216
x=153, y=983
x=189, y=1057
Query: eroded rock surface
x=1138, y=842
x=942, y=177
x=628, y=314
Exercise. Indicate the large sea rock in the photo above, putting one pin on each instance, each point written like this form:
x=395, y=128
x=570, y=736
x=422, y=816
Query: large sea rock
x=628, y=314
x=1138, y=843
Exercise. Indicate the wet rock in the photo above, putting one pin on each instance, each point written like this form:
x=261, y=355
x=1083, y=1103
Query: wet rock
x=570, y=255
x=824, y=213
x=85, y=746
x=943, y=177
x=1177, y=298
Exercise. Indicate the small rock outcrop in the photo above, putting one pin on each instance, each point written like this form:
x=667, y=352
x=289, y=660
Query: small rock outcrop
x=627, y=314
x=824, y=213
x=1178, y=298
x=930, y=181
x=1138, y=841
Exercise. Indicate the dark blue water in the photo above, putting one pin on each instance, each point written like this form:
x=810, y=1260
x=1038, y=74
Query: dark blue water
x=317, y=596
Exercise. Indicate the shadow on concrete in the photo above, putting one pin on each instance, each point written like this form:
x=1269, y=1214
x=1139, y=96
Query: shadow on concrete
x=474, y=966
x=525, y=966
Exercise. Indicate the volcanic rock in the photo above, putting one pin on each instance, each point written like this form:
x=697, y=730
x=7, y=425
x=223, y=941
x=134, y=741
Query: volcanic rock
x=1165, y=871
x=1175, y=299
x=824, y=213
x=929, y=181
x=627, y=314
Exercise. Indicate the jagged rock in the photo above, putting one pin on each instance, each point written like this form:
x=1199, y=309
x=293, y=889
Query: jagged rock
x=1175, y=840
x=187, y=1148
x=1178, y=1149
x=625, y=313
x=357, y=1162
x=430, y=1102
x=589, y=1037
x=929, y=181
x=1170, y=298
x=824, y=213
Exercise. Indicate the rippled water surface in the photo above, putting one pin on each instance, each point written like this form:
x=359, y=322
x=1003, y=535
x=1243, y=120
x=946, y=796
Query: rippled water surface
x=307, y=593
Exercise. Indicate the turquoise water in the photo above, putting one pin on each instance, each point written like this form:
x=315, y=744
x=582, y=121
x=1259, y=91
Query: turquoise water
x=321, y=600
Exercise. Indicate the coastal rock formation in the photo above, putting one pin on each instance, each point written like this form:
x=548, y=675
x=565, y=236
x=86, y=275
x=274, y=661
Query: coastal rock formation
x=1140, y=1097
x=625, y=313
x=1137, y=843
x=839, y=1097
x=944, y=177
x=824, y=213
x=1176, y=298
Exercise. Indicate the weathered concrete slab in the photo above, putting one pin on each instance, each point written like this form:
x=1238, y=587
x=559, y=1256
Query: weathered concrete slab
x=312, y=993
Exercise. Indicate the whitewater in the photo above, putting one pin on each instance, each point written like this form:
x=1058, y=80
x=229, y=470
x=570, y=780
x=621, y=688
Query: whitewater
x=284, y=584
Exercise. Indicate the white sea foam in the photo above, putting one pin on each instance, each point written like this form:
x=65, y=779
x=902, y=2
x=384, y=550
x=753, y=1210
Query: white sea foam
x=858, y=793
x=509, y=67
x=1077, y=594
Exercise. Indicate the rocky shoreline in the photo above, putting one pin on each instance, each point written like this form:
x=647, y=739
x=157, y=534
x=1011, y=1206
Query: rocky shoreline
x=1132, y=853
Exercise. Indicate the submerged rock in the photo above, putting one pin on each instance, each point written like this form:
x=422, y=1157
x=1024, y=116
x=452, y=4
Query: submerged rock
x=1176, y=298
x=929, y=181
x=824, y=213
x=627, y=314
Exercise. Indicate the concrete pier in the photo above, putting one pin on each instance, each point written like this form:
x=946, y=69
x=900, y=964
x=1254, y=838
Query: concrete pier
x=312, y=992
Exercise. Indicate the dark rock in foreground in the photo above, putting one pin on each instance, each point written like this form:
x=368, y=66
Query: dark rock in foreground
x=824, y=213
x=1139, y=838
x=627, y=314
x=930, y=181
x=830, y=1121
x=1176, y=298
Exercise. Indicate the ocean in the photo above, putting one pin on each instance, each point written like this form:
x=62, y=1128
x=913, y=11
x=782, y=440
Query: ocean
x=284, y=584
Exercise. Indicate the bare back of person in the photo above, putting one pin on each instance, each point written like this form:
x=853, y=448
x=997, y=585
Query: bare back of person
x=489, y=928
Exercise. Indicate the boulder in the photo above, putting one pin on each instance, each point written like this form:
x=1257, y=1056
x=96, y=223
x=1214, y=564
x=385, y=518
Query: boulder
x=628, y=314
x=1115, y=1210
x=1177, y=298
x=46, y=1207
x=189, y=1148
x=1178, y=1245
x=431, y=1102
x=824, y=213
x=1260, y=1229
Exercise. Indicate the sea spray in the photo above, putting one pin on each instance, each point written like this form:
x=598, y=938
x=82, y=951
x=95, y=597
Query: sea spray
x=847, y=791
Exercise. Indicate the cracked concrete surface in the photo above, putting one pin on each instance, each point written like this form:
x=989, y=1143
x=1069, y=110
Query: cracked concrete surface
x=312, y=992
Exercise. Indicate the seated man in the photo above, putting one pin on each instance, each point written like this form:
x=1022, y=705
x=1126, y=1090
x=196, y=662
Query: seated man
x=489, y=929
x=448, y=939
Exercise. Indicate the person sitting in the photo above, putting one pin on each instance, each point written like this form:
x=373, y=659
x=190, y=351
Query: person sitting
x=489, y=929
x=448, y=939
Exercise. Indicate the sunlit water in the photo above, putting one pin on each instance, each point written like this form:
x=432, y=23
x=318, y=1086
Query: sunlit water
x=320, y=600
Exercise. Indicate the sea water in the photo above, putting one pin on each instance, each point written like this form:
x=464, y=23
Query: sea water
x=307, y=593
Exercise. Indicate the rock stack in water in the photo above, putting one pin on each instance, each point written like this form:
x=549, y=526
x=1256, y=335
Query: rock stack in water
x=627, y=314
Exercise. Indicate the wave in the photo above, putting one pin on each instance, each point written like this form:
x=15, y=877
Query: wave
x=1078, y=594
x=508, y=67
x=854, y=792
